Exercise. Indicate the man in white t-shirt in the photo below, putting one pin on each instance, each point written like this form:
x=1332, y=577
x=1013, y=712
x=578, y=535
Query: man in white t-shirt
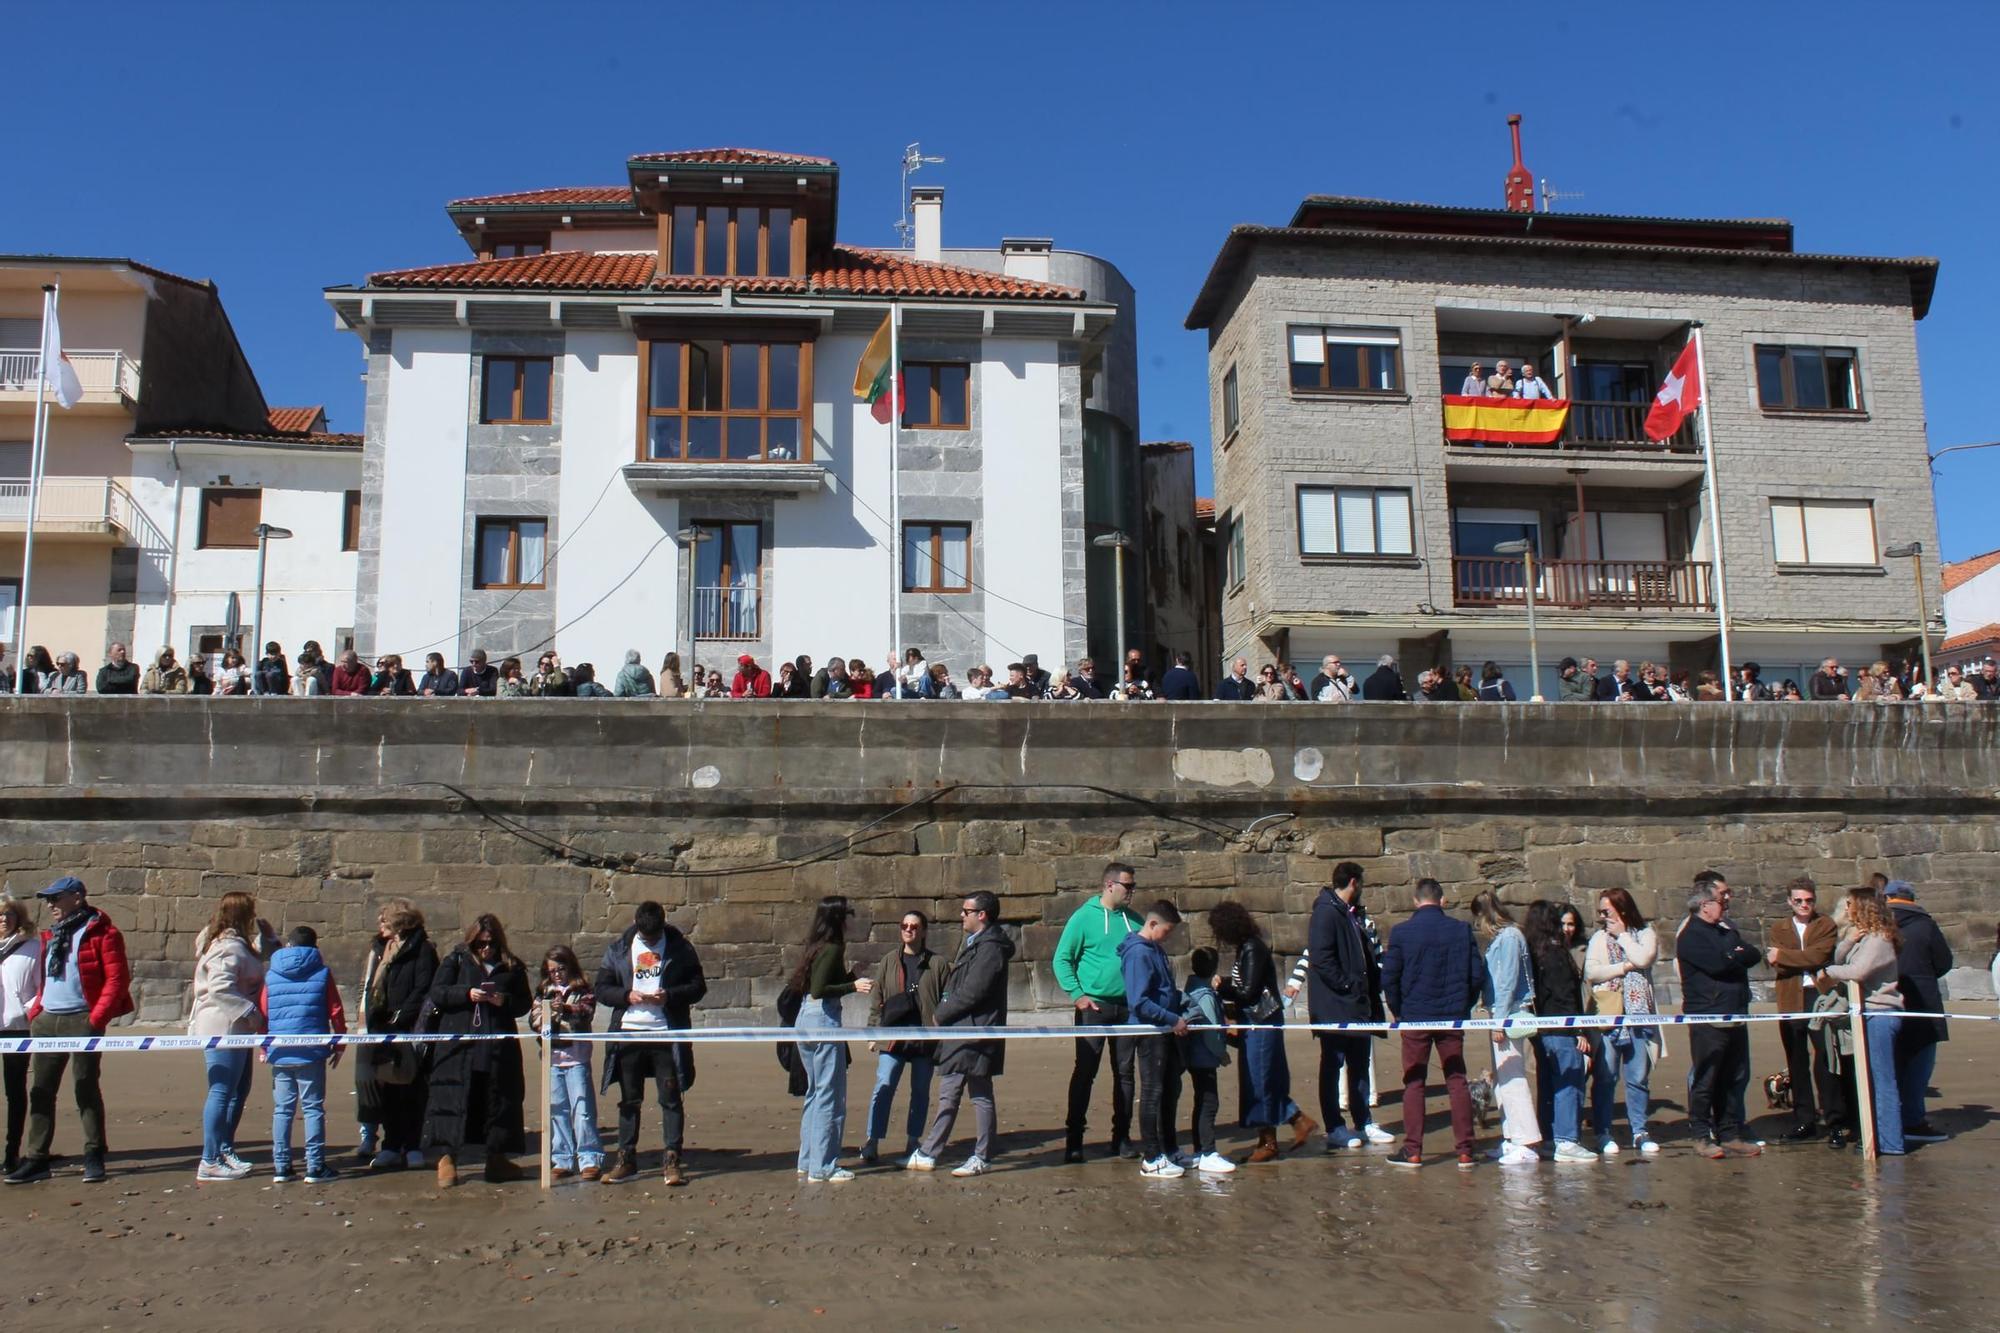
x=650, y=979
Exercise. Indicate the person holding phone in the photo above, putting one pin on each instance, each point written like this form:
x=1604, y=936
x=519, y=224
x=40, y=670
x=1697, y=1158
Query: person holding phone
x=477, y=1088
x=824, y=979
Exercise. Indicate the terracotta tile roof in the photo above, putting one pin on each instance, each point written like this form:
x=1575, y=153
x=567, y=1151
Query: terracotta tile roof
x=734, y=157
x=849, y=272
x=1964, y=571
x=564, y=194
x=1204, y=508
x=296, y=420
x=1971, y=639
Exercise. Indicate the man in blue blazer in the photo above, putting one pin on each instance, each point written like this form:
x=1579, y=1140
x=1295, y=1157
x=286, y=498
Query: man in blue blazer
x=1433, y=972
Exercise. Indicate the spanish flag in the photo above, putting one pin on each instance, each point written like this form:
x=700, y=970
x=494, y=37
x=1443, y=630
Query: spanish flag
x=871, y=377
x=1504, y=420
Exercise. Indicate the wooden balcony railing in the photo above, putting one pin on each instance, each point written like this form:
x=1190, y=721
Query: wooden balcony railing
x=1585, y=585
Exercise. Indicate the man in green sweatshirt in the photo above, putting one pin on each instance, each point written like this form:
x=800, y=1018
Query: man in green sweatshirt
x=1087, y=967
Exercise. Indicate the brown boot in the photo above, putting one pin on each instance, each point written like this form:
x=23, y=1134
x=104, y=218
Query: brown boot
x=1266, y=1149
x=1303, y=1129
x=500, y=1170
x=673, y=1174
x=622, y=1168
x=447, y=1172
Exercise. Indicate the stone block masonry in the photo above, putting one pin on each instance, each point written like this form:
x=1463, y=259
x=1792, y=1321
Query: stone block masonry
x=738, y=818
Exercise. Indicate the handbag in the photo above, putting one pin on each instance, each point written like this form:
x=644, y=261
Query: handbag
x=1610, y=1000
x=900, y=1010
x=398, y=1064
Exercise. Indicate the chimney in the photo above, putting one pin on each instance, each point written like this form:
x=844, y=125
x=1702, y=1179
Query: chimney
x=1520, y=185
x=927, y=214
x=1026, y=257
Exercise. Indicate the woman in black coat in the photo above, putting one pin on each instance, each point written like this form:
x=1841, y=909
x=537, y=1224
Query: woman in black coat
x=477, y=1087
x=389, y=1085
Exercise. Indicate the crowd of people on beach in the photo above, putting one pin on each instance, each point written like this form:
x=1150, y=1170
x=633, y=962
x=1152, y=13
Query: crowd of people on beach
x=433, y=1103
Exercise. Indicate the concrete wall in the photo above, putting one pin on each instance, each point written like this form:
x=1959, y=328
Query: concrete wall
x=739, y=817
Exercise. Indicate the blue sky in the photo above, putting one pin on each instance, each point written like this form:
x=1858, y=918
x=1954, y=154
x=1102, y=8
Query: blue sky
x=279, y=149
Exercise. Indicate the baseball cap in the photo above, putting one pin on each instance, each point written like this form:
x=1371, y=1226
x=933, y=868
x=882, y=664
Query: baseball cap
x=1901, y=888
x=745, y=660
x=67, y=884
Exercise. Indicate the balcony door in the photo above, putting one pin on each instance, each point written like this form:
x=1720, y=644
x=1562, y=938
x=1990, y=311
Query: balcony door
x=1612, y=398
x=1629, y=552
x=1483, y=575
x=729, y=581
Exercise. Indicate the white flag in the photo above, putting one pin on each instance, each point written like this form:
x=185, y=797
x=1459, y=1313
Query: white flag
x=57, y=372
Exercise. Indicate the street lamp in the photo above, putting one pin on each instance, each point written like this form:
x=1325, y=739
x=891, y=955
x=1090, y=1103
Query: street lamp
x=1914, y=553
x=266, y=534
x=1117, y=541
x=690, y=539
x=1524, y=548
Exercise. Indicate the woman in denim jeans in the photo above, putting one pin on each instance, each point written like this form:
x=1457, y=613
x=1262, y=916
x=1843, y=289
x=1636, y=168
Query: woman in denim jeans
x=566, y=1003
x=1559, y=1053
x=911, y=970
x=228, y=982
x=823, y=979
x=1867, y=954
x=1620, y=960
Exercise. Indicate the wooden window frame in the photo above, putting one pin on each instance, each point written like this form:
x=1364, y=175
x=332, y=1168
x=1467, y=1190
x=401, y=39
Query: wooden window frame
x=762, y=340
x=513, y=523
x=793, y=240
x=1340, y=552
x=350, y=521
x=518, y=241
x=207, y=541
x=937, y=528
x=1232, y=412
x=719, y=529
x=1788, y=375
x=934, y=403
x=1234, y=555
x=1359, y=350
x=521, y=363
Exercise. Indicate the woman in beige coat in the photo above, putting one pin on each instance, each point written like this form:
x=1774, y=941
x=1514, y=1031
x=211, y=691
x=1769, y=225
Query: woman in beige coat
x=228, y=980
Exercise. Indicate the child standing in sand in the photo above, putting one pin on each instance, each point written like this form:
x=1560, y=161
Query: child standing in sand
x=567, y=1002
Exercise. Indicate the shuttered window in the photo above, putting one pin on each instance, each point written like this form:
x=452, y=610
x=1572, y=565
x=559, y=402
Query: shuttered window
x=1355, y=520
x=1824, y=532
x=229, y=517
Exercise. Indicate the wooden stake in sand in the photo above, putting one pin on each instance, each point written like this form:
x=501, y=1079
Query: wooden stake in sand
x=548, y=1092
x=1864, y=1091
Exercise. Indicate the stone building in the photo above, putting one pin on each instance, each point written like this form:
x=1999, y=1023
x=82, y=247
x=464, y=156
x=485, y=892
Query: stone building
x=619, y=368
x=1351, y=524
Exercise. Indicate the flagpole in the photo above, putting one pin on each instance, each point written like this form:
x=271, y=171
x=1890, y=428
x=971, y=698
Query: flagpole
x=896, y=490
x=1714, y=521
x=37, y=464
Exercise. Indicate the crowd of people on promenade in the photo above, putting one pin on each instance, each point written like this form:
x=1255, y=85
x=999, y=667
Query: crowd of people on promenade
x=433, y=1104
x=913, y=677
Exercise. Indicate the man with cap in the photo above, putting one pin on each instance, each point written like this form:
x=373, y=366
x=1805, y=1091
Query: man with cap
x=1038, y=678
x=1922, y=958
x=751, y=682
x=86, y=983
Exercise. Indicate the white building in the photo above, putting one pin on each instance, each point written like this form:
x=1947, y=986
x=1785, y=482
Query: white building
x=618, y=364
x=1971, y=609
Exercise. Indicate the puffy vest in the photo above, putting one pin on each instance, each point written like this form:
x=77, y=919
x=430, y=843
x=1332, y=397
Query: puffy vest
x=295, y=993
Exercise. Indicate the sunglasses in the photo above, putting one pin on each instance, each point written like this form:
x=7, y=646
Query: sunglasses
x=911, y=925
x=968, y=911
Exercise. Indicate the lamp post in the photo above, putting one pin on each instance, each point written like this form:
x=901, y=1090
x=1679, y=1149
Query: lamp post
x=1914, y=553
x=266, y=534
x=1117, y=541
x=690, y=539
x=1524, y=548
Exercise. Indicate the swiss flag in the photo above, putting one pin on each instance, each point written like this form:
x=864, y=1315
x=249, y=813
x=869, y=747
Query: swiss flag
x=1680, y=395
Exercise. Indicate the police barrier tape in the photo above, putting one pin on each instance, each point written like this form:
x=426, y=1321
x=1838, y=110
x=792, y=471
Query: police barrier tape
x=1522, y=1025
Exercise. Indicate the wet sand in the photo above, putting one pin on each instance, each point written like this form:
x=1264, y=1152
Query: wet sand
x=1799, y=1238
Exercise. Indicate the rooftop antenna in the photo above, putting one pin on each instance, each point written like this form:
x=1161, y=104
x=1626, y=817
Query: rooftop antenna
x=913, y=161
x=1550, y=194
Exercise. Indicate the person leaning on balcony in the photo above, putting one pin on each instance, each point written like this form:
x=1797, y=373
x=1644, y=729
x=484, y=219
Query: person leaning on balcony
x=349, y=676
x=1529, y=384
x=118, y=675
x=1751, y=688
x=69, y=678
x=1573, y=684
x=633, y=680
x=512, y=685
x=392, y=677
x=751, y=681
x=1878, y=686
x=476, y=679
x=1829, y=682
x=673, y=685
x=1461, y=681
x=1986, y=685
x=1956, y=688
x=1475, y=382
x=860, y=681
x=1708, y=688
x=438, y=681
x=273, y=674
x=1333, y=684
x=1500, y=384
x=165, y=676
x=35, y=672
x=1494, y=687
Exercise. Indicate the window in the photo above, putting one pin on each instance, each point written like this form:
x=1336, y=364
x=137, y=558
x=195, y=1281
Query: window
x=510, y=552
x=229, y=517
x=937, y=394
x=1809, y=379
x=350, y=521
x=1345, y=360
x=1229, y=411
x=1233, y=554
x=717, y=240
x=713, y=401
x=10, y=607
x=514, y=247
x=937, y=557
x=729, y=581
x=1824, y=532
x=515, y=389
x=1354, y=520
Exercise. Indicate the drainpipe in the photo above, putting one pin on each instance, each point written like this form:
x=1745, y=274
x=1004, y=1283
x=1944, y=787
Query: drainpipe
x=174, y=547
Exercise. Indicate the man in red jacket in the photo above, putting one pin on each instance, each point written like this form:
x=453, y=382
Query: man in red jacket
x=752, y=681
x=86, y=983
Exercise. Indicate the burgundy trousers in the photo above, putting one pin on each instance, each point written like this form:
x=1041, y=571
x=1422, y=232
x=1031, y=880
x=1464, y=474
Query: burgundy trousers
x=1416, y=1064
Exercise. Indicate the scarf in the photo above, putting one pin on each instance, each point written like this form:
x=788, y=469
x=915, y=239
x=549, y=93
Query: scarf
x=14, y=942
x=63, y=938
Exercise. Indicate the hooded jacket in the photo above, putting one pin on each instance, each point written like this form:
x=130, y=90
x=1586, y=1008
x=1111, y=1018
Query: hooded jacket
x=98, y=955
x=975, y=996
x=1923, y=959
x=1149, y=982
x=300, y=997
x=228, y=978
x=682, y=986
x=1086, y=961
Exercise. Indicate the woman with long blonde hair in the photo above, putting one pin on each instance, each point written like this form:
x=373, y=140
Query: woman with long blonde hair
x=1867, y=954
x=1509, y=994
x=228, y=981
x=20, y=984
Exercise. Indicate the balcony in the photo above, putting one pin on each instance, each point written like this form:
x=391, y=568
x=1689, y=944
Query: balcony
x=108, y=378
x=1585, y=585
x=1598, y=427
x=73, y=508
x=728, y=613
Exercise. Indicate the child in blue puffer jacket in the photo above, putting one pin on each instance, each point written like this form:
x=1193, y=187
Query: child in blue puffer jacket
x=300, y=999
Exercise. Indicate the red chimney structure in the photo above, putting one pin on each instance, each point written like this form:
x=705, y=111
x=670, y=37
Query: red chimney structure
x=1520, y=185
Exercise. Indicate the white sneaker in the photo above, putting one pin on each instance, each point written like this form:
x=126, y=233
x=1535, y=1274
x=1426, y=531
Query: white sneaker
x=214, y=1171
x=840, y=1175
x=413, y=1159
x=869, y=1152
x=1161, y=1168
x=1214, y=1164
x=1342, y=1138
x=1568, y=1151
x=1377, y=1134
x=1647, y=1146
x=233, y=1162
x=1609, y=1148
x=1516, y=1154
x=919, y=1162
x=974, y=1165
